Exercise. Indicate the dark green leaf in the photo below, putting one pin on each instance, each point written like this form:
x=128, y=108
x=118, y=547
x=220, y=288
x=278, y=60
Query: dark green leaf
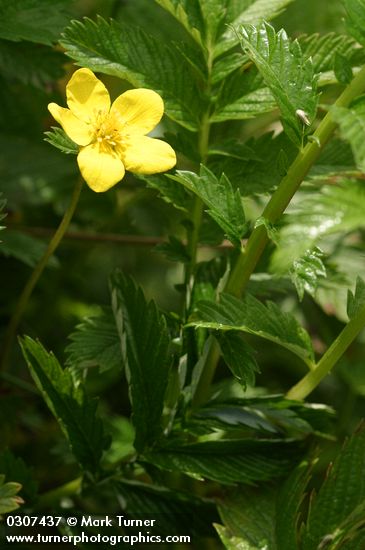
x=225, y=204
x=228, y=461
x=249, y=515
x=341, y=493
x=176, y=512
x=174, y=249
x=343, y=70
x=145, y=341
x=72, y=408
x=288, y=506
x=230, y=541
x=129, y=53
x=239, y=356
x=25, y=248
x=356, y=300
x=249, y=315
x=32, y=64
x=169, y=190
x=15, y=469
x=95, y=342
x=188, y=14
x=59, y=139
x=2, y=208
x=287, y=73
x=34, y=20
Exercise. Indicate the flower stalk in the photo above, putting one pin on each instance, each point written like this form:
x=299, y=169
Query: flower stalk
x=35, y=275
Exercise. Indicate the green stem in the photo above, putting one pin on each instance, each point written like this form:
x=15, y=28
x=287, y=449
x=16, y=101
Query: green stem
x=307, y=384
x=256, y=244
x=276, y=206
x=36, y=273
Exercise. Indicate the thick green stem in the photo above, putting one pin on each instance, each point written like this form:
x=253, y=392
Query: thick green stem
x=276, y=206
x=307, y=384
x=36, y=273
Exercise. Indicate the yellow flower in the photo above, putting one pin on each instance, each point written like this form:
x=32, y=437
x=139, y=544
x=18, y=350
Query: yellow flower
x=112, y=138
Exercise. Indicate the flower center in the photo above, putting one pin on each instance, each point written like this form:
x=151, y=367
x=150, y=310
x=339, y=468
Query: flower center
x=106, y=132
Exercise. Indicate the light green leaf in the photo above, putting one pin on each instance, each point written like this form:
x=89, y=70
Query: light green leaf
x=231, y=542
x=307, y=271
x=351, y=122
x=343, y=70
x=59, y=139
x=25, y=248
x=38, y=21
x=252, y=316
x=249, y=11
x=95, y=342
x=225, y=204
x=145, y=344
x=319, y=212
x=239, y=356
x=9, y=499
x=128, y=53
x=287, y=73
x=73, y=409
x=356, y=19
x=227, y=461
x=225, y=66
x=356, y=300
x=341, y=493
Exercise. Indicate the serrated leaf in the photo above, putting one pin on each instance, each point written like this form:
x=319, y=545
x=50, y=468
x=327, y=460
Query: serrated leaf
x=288, y=506
x=129, y=53
x=351, y=122
x=32, y=64
x=145, y=341
x=341, y=493
x=175, y=510
x=25, y=248
x=318, y=213
x=243, y=95
x=169, y=190
x=249, y=514
x=9, y=499
x=59, y=139
x=230, y=541
x=356, y=300
x=95, y=342
x=38, y=21
x=14, y=467
x=174, y=250
x=307, y=271
x=251, y=11
x=225, y=204
x=227, y=461
x=188, y=14
x=239, y=356
x=73, y=409
x=342, y=68
x=355, y=21
x=225, y=66
x=251, y=316
x=287, y=73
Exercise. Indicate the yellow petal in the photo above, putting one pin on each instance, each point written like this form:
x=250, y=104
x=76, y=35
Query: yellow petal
x=87, y=95
x=77, y=130
x=100, y=170
x=145, y=155
x=140, y=109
